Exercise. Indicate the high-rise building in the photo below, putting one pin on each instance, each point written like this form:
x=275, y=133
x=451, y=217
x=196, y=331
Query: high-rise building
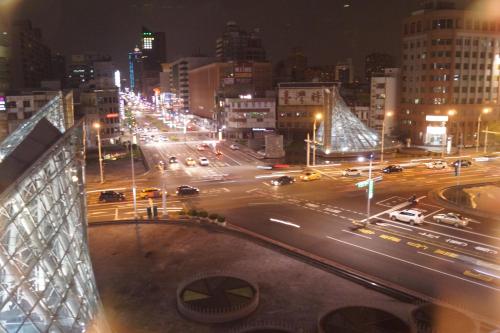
x=58, y=69
x=237, y=44
x=450, y=74
x=46, y=272
x=344, y=71
x=135, y=70
x=179, y=77
x=384, y=101
x=30, y=59
x=212, y=83
x=153, y=54
x=376, y=63
x=4, y=62
x=101, y=106
x=81, y=68
x=293, y=68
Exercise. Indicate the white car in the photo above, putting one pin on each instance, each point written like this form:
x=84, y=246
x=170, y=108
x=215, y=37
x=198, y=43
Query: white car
x=408, y=215
x=351, y=172
x=203, y=161
x=436, y=165
x=234, y=147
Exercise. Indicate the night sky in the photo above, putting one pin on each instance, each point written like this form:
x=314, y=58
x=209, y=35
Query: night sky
x=325, y=29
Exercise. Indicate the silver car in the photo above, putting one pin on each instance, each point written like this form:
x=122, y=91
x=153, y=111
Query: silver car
x=454, y=219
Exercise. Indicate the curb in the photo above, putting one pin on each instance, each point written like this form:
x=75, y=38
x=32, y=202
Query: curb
x=437, y=195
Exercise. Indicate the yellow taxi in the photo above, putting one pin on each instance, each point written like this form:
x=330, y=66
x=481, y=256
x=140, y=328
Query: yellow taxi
x=190, y=161
x=308, y=175
x=150, y=192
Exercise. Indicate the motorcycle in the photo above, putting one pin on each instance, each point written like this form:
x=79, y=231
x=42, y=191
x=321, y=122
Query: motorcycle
x=413, y=199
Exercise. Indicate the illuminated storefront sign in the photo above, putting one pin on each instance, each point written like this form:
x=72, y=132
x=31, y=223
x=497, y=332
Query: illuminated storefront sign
x=2, y=103
x=436, y=118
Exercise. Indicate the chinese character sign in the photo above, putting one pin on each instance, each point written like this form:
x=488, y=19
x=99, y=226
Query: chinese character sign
x=300, y=96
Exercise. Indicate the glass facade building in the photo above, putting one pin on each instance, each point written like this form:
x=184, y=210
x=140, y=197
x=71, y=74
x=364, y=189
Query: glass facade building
x=46, y=279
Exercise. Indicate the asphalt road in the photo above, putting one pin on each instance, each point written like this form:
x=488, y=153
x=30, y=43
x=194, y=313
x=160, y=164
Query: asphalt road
x=447, y=263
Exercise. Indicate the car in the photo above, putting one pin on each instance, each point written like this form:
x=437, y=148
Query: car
x=234, y=147
x=454, y=219
x=283, y=180
x=351, y=172
x=392, y=168
x=150, y=192
x=265, y=167
x=436, y=165
x=408, y=215
x=187, y=190
x=203, y=161
x=281, y=166
x=110, y=196
x=172, y=160
x=308, y=175
x=190, y=161
x=200, y=148
x=486, y=158
x=462, y=163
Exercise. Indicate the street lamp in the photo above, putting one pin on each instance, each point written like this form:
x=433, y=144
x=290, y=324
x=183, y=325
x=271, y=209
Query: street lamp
x=317, y=117
x=98, y=127
x=387, y=114
x=451, y=113
x=485, y=111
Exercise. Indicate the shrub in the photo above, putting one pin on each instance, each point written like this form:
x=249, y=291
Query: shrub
x=213, y=216
x=203, y=213
x=193, y=212
x=221, y=219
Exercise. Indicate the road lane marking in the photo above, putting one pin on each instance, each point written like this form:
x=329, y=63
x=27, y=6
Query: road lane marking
x=417, y=245
x=107, y=189
x=446, y=253
x=412, y=263
x=437, y=211
x=312, y=205
x=353, y=233
x=394, y=226
x=252, y=190
x=436, y=257
x=331, y=210
x=446, y=235
x=390, y=238
x=284, y=222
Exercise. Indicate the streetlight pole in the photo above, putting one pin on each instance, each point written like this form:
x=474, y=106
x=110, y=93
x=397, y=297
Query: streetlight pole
x=308, y=156
x=485, y=111
x=388, y=114
x=133, y=176
x=368, y=201
x=101, y=171
x=317, y=116
x=478, y=131
x=485, y=139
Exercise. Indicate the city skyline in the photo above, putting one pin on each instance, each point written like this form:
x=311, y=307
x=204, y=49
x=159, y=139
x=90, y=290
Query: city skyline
x=193, y=27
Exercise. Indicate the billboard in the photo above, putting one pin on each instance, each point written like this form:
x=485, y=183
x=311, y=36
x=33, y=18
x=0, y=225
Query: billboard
x=2, y=103
x=300, y=96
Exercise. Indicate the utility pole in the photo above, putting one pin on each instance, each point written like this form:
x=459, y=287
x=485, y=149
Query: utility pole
x=485, y=139
x=369, y=192
x=308, y=155
x=133, y=176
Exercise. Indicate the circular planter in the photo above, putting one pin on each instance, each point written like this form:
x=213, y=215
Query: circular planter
x=431, y=318
x=354, y=319
x=217, y=298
